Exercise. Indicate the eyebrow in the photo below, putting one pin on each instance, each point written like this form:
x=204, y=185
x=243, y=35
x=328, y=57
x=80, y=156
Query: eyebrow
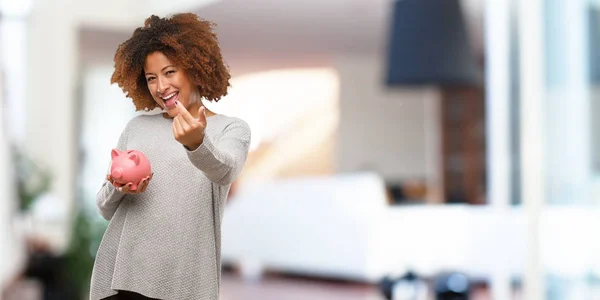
x=148, y=73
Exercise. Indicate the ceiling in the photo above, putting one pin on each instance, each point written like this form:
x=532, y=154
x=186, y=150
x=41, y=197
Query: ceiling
x=263, y=34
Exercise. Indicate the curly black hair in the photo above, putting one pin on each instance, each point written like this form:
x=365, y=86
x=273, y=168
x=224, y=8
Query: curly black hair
x=188, y=41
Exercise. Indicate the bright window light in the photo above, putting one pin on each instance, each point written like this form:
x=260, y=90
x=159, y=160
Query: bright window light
x=272, y=101
x=14, y=8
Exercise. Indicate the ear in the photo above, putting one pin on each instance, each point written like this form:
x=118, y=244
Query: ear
x=114, y=153
x=135, y=158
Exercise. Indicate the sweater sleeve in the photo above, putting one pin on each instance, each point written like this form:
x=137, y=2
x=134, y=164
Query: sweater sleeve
x=222, y=158
x=108, y=197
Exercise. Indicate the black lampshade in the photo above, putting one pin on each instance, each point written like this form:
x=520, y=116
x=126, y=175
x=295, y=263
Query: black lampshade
x=429, y=45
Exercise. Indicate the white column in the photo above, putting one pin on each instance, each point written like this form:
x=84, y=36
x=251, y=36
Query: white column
x=531, y=48
x=497, y=40
x=568, y=145
x=497, y=34
x=13, y=26
x=13, y=49
x=7, y=205
x=51, y=99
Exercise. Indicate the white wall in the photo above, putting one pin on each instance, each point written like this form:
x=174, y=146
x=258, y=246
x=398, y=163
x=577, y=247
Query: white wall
x=51, y=99
x=391, y=131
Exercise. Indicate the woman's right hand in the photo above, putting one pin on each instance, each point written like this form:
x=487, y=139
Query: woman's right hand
x=126, y=188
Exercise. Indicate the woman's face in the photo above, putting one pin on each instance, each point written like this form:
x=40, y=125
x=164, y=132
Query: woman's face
x=168, y=83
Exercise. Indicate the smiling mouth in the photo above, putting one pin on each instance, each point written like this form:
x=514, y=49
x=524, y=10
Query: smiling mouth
x=170, y=99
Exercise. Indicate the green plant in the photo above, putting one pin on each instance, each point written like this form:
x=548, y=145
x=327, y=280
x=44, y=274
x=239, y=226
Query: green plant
x=87, y=231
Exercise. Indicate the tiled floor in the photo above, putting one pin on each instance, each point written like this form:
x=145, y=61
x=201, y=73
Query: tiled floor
x=277, y=287
x=291, y=288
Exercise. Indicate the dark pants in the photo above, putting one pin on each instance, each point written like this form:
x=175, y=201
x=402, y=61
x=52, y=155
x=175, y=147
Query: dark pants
x=126, y=295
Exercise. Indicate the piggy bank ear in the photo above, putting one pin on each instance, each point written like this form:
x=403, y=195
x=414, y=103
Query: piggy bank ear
x=135, y=158
x=114, y=153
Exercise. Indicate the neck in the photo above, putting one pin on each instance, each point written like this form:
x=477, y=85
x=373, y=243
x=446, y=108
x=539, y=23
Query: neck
x=193, y=108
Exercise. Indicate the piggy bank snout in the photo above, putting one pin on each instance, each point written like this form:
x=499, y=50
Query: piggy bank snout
x=117, y=173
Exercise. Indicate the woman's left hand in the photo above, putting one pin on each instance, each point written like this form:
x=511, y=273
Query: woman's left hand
x=187, y=130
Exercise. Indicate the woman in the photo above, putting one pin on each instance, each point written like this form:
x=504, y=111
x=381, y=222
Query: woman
x=163, y=240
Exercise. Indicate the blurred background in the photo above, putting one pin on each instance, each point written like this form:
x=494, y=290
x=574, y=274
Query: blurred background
x=409, y=149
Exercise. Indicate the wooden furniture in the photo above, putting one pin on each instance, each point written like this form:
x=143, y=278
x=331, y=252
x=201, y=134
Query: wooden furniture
x=463, y=145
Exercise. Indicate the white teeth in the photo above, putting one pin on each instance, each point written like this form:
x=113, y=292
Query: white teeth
x=169, y=96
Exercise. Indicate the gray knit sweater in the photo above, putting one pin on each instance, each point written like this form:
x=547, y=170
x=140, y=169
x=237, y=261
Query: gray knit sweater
x=166, y=242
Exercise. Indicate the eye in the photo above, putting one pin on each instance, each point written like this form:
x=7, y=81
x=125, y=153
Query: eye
x=148, y=79
x=170, y=72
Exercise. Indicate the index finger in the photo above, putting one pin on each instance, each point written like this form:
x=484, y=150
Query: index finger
x=184, y=112
x=202, y=115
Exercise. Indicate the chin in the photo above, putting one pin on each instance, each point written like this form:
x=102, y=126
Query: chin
x=171, y=112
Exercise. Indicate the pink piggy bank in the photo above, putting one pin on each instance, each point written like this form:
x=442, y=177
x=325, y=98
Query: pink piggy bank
x=129, y=166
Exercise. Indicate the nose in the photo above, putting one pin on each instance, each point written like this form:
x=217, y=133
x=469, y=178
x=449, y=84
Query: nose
x=162, y=86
